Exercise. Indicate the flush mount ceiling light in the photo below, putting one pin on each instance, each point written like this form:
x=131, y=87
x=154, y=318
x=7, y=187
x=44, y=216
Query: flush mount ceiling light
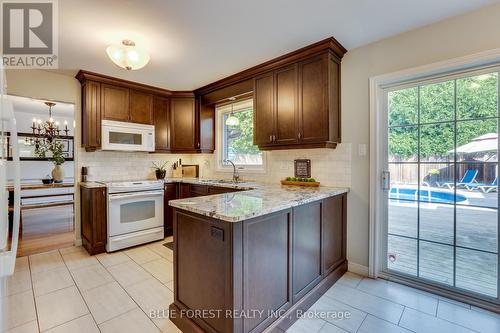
x=127, y=55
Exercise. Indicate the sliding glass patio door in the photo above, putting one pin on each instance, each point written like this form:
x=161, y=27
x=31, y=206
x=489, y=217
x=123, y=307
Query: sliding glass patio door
x=442, y=193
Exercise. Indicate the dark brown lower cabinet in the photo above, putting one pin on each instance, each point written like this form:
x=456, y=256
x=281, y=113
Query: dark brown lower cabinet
x=168, y=211
x=306, y=248
x=93, y=219
x=334, y=235
x=278, y=263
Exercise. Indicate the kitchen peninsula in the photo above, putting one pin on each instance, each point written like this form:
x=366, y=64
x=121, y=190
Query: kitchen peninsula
x=267, y=252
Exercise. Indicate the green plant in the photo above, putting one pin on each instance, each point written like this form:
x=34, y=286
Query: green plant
x=54, y=147
x=159, y=166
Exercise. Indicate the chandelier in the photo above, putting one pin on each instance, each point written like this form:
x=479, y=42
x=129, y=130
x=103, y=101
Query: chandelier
x=46, y=131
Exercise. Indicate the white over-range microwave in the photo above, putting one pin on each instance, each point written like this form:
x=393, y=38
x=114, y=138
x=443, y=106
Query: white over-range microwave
x=117, y=135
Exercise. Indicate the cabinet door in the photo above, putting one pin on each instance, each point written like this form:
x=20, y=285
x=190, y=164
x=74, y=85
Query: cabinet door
x=161, y=108
x=170, y=194
x=286, y=113
x=334, y=233
x=207, y=128
x=91, y=115
x=141, y=107
x=183, y=128
x=264, y=110
x=306, y=248
x=220, y=190
x=94, y=227
x=313, y=100
x=115, y=103
x=198, y=190
x=184, y=191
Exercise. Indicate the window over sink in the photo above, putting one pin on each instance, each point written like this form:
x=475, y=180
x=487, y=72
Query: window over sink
x=235, y=139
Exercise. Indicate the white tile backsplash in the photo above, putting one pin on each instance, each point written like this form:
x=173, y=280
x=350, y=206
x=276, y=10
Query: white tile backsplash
x=332, y=167
x=122, y=166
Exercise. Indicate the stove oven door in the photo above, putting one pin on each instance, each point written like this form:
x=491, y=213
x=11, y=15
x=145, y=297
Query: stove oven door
x=132, y=212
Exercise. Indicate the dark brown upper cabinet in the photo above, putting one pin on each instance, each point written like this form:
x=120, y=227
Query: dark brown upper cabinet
x=297, y=106
x=313, y=103
x=183, y=126
x=141, y=107
x=161, y=112
x=286, y=111
x=128, y=105
x=206, y=127
x=264, y=102
x=296, y=97
x=115, y=103
x=91, y=117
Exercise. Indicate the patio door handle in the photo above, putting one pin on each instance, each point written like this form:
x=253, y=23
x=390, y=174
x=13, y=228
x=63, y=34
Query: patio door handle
x=386, y=180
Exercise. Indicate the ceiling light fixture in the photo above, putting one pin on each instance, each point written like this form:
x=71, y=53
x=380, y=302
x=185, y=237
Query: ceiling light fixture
x=127, y=55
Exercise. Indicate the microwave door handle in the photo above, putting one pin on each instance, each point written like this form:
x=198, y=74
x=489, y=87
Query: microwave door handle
x=134, y=195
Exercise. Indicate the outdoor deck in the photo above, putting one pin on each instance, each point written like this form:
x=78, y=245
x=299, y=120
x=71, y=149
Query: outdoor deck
x=476, y=229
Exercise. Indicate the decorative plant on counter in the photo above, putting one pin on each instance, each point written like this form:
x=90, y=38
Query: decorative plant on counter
x=56, y=149
x=160, y=169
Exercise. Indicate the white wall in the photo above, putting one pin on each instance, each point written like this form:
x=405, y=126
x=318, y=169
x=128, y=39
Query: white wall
x=36, y=170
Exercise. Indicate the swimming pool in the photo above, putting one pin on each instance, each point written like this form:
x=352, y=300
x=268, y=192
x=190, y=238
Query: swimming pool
x=436, y=196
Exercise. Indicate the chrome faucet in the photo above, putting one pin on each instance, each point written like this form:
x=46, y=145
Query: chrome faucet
x=236, y=176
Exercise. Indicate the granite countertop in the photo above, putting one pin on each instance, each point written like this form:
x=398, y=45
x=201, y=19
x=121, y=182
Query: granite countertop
x=254, y=199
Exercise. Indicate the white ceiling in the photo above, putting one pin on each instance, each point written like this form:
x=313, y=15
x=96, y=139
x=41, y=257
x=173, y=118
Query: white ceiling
x=36, y=106
x=195, y=42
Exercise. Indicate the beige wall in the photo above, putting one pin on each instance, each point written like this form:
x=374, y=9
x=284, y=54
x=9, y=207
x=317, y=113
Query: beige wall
x=459, y=36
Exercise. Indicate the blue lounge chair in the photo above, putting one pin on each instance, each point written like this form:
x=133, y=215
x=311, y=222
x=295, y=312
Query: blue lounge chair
x=487, y=188
x=469, y=179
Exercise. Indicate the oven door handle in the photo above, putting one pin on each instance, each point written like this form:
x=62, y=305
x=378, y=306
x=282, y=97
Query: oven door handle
x=134, y=195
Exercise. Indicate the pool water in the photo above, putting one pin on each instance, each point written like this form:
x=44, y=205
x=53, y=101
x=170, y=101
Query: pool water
x=436, y=196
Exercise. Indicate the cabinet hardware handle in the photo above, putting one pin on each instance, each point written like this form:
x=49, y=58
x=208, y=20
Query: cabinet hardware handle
x=198, y=144
x=271, y=138
x=300, y=136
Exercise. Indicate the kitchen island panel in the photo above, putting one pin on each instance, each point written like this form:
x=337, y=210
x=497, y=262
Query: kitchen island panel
x=266, y=268
x=306, y=248
x=203, y=281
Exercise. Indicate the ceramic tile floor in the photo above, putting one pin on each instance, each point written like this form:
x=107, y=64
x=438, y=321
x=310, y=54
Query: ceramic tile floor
x=70, y=291
x=386, y=307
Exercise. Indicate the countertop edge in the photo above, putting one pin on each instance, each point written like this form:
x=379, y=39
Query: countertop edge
x=287, y=205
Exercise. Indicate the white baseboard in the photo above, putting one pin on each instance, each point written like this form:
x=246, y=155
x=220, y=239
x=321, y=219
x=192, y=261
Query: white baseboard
x=357, y=268
x=78, y=242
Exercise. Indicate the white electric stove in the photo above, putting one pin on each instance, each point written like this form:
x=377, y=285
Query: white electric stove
x=135, y=213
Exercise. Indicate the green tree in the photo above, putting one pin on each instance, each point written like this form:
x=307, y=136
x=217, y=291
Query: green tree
x=241, y=137
x=434, y=107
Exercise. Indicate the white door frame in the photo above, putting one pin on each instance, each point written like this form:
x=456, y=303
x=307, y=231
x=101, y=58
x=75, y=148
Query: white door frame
x=377, y=133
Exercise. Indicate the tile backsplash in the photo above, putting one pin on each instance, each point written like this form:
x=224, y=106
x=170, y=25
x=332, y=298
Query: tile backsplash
x=332, y=167
x=122, y=166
